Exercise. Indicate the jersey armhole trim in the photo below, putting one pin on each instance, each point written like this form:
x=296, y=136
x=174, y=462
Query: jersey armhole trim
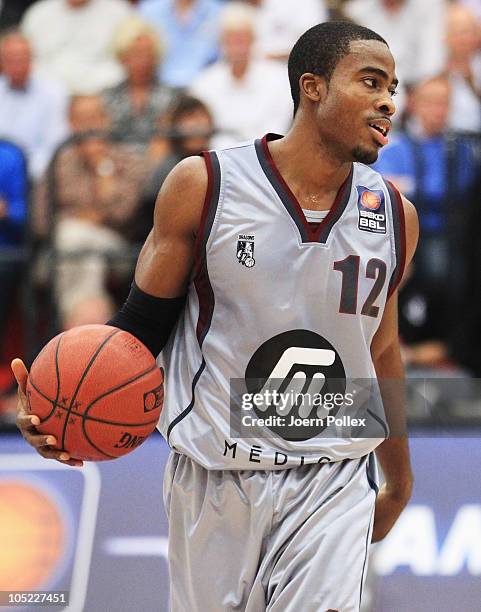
x=209, y=208
x=201, y=280
x=399, y=228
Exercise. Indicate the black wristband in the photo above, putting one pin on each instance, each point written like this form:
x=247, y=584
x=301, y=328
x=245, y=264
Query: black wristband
x=150, y=319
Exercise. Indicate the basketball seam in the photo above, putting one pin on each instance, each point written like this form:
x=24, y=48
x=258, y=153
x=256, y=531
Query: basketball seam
x=87, y=437
x=118, y=387
x=82, y=378
x=55, y=401
x=97, y=419
x=89, y=418
x=57, y=373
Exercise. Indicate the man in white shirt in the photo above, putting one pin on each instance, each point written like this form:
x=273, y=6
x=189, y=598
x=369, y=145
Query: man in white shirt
x=33, y=109
x=71, y=41
x=280, y=24
x=247, y=96
x=464, y=69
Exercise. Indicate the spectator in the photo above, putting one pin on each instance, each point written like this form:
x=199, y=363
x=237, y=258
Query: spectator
x=97, y=188
x=136, y=104
x=436, y=170
x=32, y=109
x=246, y=96
x=190, y=29
x=71, y=41
x=414, y=31
x=464, y=66
x=190, y=128
x=280, y=24
x=13, y=215
x=87, y=113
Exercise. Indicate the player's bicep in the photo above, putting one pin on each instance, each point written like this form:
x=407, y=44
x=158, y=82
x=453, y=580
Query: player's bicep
x=167, y=257
x=164, y=266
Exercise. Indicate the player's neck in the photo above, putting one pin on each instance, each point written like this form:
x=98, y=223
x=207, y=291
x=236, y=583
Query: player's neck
x=311, y=171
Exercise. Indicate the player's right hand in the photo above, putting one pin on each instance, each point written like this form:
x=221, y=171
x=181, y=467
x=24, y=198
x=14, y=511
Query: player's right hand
x=27, y=422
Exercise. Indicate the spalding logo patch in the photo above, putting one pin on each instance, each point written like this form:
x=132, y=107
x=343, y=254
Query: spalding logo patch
x=154, y=399
x=371, y=206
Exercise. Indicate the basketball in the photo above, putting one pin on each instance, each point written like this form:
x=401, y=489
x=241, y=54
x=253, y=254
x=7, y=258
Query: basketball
x=98, y=390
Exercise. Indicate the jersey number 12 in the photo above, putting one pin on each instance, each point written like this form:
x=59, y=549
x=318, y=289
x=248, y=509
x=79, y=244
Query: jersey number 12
x=349, y=267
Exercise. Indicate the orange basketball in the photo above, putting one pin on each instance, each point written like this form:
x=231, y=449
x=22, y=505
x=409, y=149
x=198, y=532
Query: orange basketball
x=98, y=390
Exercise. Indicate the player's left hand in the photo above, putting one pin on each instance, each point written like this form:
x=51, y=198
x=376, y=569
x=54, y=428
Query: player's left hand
x=389, y=505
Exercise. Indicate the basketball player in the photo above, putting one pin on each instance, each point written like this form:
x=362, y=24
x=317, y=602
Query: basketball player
x=278, y=521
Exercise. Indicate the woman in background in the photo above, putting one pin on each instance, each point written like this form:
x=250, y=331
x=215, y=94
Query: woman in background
x=136, y=105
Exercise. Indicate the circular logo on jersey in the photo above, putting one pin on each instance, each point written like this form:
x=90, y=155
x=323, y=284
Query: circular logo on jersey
x=370, y=200
x=297, y=380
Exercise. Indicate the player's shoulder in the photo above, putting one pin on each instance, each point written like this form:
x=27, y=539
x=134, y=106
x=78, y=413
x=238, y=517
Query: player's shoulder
x=411, y=224
x=371, y=178
x=182, y=196
x=368, y=176
x=410, y=213
x=188, y=175
x=235, y=147
x=195, y=171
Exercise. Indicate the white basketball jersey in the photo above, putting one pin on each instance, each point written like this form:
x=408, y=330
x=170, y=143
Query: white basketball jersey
x=282, y=307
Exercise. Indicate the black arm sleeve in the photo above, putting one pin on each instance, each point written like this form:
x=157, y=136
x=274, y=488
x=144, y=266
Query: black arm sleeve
x=148, y=318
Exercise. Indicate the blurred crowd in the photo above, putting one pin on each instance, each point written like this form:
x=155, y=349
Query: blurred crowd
x=99, y=99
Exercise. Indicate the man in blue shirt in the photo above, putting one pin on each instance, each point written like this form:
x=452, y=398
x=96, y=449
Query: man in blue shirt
x=436, y=170
x=13, y=215
x=190, y=29
x=33, y=109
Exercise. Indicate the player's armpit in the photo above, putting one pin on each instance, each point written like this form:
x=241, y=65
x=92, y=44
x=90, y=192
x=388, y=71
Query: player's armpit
x=166, y=260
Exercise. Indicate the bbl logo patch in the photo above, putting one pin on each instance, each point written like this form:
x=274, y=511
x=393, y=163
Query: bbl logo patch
x=371, y=205
x=245, y=250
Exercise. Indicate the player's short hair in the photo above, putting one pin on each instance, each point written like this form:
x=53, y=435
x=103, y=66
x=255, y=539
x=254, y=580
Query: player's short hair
x=320, y=48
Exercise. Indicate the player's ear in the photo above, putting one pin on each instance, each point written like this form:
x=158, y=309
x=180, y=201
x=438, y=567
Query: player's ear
x=313, y=86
